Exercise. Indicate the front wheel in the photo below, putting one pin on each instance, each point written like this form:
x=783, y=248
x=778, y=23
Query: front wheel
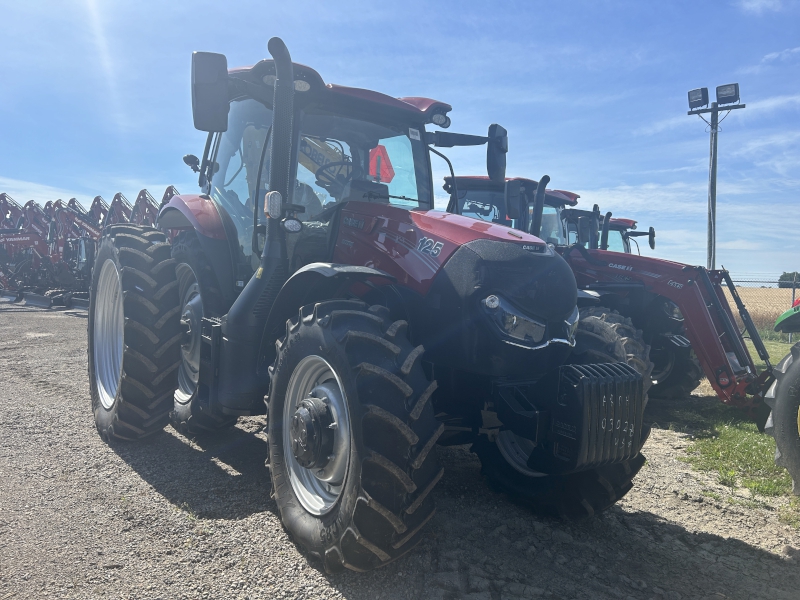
x=199, y=295
x=603, y=336
x=352, y=435
x=677, y=372
x=784, y=420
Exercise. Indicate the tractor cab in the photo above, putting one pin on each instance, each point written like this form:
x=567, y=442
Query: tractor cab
x=559, y=223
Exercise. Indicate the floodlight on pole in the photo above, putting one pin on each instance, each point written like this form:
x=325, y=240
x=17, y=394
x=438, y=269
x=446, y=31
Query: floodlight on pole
x=726, y=95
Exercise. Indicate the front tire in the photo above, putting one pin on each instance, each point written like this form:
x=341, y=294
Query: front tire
x=784, y=420
x=603, y=336
x=677, y=372
x=360, y=496
x=134, y=334
x=199, y=296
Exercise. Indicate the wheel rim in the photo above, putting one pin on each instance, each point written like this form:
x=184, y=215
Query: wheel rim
x=109, y=332
x=191, y=317
x=516, y=450
x=318, y=489
x=663, y=362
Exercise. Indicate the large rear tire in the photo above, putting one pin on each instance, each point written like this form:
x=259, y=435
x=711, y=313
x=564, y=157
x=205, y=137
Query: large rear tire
x=359, y=497
x=134, y=333
x=784, y=420
x=200, y=297
x=602, y=336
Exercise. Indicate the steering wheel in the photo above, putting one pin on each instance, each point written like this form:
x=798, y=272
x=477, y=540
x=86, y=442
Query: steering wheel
x=326, y=177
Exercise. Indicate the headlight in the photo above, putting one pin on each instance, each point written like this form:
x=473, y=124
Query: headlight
x=511, y=322
x=572, y=323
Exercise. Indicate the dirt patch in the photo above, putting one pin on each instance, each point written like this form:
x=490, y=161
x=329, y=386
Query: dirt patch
x=176, y=518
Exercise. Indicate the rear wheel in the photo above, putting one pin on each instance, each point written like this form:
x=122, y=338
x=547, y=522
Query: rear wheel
x=784, y=420
x=134, y=333
x=603, y=336
x=352, y=435
x=199, y=296
x=677, y=372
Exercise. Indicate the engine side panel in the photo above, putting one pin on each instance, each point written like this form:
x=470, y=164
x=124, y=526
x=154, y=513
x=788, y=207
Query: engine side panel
x=413, y=245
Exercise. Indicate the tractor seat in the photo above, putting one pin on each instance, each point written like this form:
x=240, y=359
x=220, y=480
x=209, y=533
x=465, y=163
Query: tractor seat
x=304, y=195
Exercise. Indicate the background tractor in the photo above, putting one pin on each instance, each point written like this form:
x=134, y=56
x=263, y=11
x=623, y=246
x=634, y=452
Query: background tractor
x=783, y=398
x=681, y=310
x=310, y=279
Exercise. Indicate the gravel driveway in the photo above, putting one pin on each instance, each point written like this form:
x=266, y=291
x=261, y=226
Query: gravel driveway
x=169, y=518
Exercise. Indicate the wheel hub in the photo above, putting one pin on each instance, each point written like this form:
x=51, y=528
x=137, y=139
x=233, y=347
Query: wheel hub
x=312, y=434
x=316, y=434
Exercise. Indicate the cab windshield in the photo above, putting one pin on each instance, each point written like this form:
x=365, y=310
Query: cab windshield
x=339, y=159
x=486, y=205
x=342, y=158
x=552, y=230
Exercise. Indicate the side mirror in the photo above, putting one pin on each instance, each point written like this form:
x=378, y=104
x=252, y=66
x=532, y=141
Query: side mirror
x=210, y=91
x=496, y=150
x=193, y=162
x=652, y=238
x=513, y=194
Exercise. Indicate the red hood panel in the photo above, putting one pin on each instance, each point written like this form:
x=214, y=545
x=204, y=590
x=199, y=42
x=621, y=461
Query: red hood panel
x=411, y=245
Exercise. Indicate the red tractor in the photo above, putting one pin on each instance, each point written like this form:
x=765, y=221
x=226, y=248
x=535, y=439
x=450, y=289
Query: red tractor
x=681, y=310
x=311, y=280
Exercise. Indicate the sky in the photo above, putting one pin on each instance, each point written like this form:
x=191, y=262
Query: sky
x=95, y=98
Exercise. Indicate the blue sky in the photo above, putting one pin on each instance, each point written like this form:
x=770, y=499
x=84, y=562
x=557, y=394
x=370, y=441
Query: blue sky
x=95, y=98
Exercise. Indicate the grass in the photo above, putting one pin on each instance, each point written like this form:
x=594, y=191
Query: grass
x=776, y=350
x=726, y=443
x=740, y=455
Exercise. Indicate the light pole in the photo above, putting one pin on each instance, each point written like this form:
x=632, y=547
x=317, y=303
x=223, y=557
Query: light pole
x=727, y=95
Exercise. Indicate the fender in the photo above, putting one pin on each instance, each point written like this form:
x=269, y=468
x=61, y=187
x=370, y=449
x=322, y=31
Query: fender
x=314, y=282
x=200, y=213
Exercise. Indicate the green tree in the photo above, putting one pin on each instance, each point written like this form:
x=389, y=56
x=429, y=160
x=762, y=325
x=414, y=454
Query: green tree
x=785, y=280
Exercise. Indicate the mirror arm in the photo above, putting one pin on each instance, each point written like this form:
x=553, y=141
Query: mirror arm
x=447, y=139
x=453, y=204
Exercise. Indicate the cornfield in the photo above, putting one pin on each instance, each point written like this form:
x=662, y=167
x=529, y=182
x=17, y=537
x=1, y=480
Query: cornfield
x=765, y=305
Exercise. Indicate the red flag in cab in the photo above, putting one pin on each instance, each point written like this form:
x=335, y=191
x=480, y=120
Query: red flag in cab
x=380, y=167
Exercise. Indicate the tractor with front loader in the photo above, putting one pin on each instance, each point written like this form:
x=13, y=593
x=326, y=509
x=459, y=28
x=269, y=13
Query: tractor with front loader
x=679, y=311
x=311, y=280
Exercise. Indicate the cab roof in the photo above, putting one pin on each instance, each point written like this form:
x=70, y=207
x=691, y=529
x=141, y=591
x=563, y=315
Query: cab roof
x=263, y=73
x=552, y=197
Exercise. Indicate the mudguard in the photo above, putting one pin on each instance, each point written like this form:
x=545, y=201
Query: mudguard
x=312, y=283
x=200, y=213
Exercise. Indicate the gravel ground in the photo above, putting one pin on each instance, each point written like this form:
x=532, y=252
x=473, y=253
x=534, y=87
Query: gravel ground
x=169, y=518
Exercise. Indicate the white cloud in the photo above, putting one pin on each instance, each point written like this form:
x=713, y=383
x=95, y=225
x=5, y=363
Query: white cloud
x=22, y=191
x=760, y=6
x=774, y=103
x=773, y=59
x=663, y=125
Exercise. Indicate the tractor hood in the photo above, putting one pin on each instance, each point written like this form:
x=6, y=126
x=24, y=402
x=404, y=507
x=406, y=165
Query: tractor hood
x=461, y=230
